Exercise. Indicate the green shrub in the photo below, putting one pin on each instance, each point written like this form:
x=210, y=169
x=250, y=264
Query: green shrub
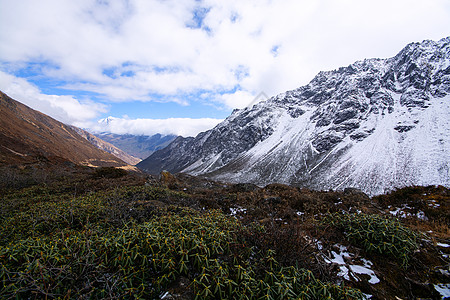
x=377, y=234
x=36, y=211
x=142, y=259
x=109, y=172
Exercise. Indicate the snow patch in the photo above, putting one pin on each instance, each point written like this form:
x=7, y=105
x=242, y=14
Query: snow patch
x=399, y=212
x=443, y=289
x=433, y=204
x=235, y=210
x=348, y=270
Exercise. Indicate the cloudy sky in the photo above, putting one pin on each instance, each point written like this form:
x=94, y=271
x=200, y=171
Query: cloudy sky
x=181, y=66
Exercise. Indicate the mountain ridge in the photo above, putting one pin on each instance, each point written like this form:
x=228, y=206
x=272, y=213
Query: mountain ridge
x=139, y=146
x=106, y=146
x=27, y=135
x=319, y=135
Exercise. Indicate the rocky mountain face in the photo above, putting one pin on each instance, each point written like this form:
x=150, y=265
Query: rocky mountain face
x=105, y=146
x=140, y=146
x=27, y=136
x=375, y=125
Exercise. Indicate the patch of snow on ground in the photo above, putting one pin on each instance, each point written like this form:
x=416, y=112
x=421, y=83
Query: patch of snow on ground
x=399, y=212
x=443, y=289
x=319, y=245
x=365, y=270
x=235, y=210
x=433, y=204
x=367, y=296
x=343, y=272
x=351, y=269
x=421, y=215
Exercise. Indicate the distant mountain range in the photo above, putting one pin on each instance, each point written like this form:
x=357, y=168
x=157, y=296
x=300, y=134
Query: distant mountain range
x=28, y=136
x=139, y=146
x=108, y=147
x=374, y=125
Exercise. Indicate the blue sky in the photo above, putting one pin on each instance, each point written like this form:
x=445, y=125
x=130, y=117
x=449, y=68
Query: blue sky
x=180, y=67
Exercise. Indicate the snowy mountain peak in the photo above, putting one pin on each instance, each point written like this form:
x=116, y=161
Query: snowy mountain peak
x=375, y=125
x=106, y=121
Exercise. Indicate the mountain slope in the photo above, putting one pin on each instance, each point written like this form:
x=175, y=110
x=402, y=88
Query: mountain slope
x=27, y=135
x=140, y=146
x=105, y=146
x=375, y=125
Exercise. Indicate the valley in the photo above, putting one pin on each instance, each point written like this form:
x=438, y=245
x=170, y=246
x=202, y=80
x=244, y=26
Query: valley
x=338, y=189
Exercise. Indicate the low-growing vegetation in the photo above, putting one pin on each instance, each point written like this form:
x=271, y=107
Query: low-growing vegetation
x=136, y=259
x=375, y=233
x=102, y=233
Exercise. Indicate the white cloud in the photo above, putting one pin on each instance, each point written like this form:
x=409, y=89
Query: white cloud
x=66, y=109
x=154, y=47
x=69, y=110
x=238, y=99
x=176, y=126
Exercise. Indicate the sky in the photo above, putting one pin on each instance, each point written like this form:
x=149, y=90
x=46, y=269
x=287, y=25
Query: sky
x=181, y=66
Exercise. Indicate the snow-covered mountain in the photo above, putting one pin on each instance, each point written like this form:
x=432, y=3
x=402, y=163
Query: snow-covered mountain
x=374, y=125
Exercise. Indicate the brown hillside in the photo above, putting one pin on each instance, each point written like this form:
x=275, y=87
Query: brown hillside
x=27, y=135
x=110, y=148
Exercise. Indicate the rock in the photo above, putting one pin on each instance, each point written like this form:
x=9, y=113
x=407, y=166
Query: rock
x=166, y=178
x=326, y=142
x=404, y=128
